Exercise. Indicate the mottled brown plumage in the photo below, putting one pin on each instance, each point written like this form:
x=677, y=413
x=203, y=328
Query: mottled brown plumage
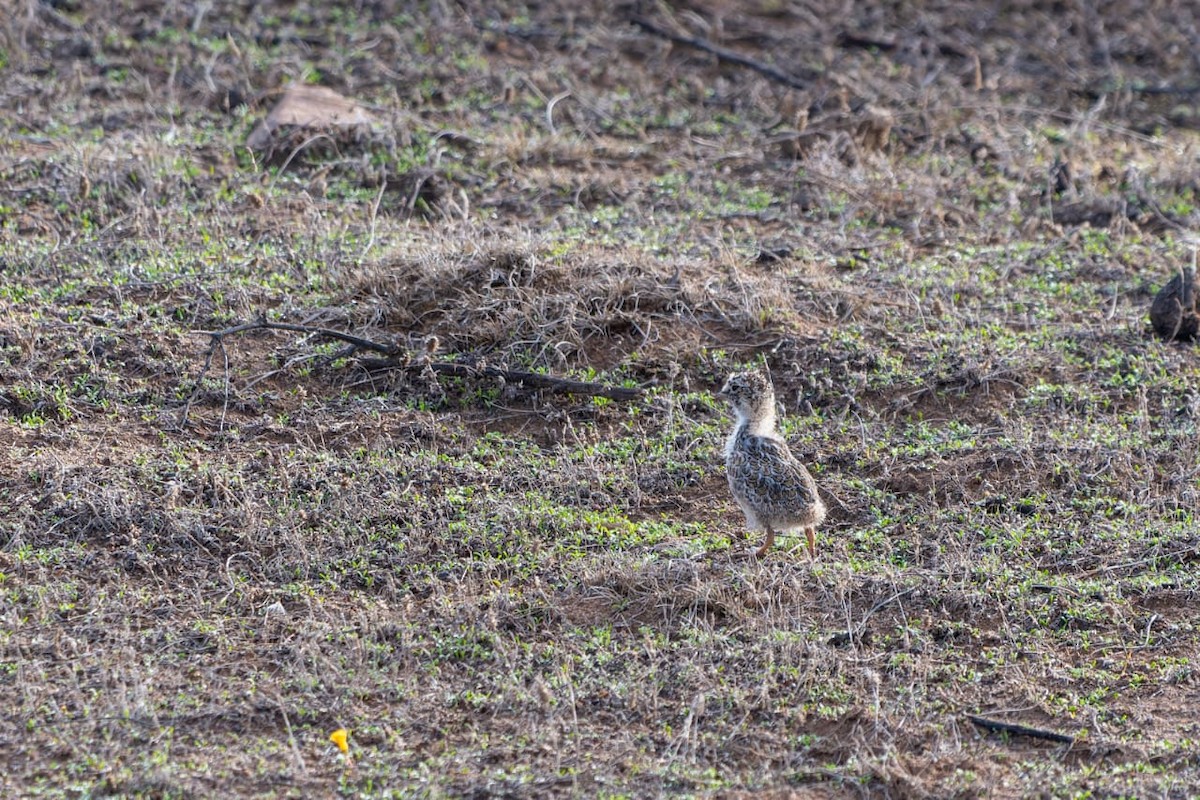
x=774, y=490
x=1173, y=312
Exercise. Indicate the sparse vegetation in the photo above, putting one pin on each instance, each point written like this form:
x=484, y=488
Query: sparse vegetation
x=944, y=251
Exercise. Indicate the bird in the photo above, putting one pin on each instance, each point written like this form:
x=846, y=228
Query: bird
x=1173, y=312
x=775, y=491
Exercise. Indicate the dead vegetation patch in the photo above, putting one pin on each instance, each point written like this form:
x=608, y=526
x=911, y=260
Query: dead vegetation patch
x=591, y=308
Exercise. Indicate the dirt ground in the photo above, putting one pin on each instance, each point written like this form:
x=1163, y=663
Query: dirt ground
x=287, y=444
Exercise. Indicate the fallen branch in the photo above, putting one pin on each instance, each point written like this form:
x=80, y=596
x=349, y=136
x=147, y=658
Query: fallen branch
x=723, y=53
x=532, y=380
x=1014, y=729
x=398, y=357
x=851, y=39
x=1112, y=87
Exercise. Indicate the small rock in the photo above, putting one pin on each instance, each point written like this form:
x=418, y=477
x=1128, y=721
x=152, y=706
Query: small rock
x=316, y=108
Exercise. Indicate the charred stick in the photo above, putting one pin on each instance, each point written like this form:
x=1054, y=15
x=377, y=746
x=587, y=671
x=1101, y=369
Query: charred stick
x=533, y=380
x=1013, y=728
x=723, y=53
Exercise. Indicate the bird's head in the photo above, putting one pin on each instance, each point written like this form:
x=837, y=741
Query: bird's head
x=751, y=395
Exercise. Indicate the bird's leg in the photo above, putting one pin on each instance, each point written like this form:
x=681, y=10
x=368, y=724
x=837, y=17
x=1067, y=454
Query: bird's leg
x=762, y=551
x=811, y=533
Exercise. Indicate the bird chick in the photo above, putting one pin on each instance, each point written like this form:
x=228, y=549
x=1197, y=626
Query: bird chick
x=774, y=490
x=1173, y=313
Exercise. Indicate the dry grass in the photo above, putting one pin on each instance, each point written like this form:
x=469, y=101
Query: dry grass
x=944, y=251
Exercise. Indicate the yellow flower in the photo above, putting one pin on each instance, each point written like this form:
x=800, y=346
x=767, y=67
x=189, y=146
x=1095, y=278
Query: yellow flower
x=340, y=737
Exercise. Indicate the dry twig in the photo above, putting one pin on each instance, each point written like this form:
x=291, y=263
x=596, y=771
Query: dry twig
x=723, y=53
x=532, y=380
x=397, y=357
x=1013, y=728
